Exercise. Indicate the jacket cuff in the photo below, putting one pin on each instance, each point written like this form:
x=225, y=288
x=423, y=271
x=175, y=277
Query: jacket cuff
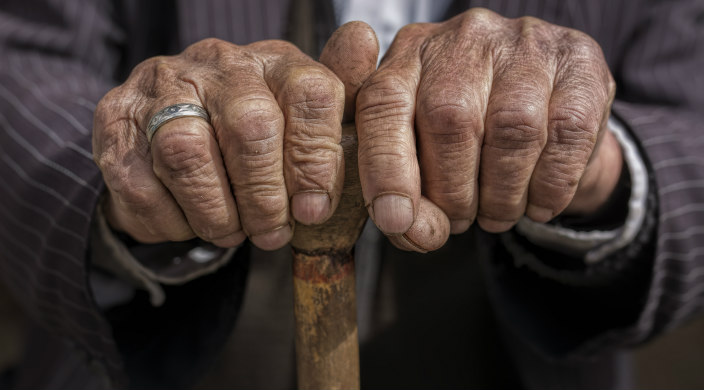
x=592, y=244
x=146, y=266
x=570, y=265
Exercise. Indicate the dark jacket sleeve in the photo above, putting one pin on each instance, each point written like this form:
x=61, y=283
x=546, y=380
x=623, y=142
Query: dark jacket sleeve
x=56, y=61
x=662, y=103
x=656, y=52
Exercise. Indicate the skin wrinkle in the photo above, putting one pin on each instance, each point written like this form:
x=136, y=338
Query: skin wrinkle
x=182, y=154
x=521, y=135
x=447, y=112
x=186, y=161
x=513, y=106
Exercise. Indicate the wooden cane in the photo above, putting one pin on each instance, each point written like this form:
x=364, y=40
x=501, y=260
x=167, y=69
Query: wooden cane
x=327, y=352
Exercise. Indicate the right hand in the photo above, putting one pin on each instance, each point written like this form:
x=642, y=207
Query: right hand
x=273, y=144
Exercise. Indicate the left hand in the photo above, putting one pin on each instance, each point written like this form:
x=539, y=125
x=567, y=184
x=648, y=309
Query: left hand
x=487, y=118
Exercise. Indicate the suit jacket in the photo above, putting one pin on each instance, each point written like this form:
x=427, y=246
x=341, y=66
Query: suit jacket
x=57, y=59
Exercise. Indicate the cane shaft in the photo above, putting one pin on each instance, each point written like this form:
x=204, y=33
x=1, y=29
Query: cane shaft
x=326, y=321
x=327, y=354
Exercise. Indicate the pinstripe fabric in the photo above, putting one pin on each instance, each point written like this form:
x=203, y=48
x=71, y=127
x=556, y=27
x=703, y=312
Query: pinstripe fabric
x=54, y=66
x=53, y=71
x=56, y=63
x=240, y=22
x=656, y=52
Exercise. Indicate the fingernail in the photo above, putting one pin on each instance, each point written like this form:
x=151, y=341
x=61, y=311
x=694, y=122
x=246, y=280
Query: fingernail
x=538, y=214
x=392, y=213
x=458, y=226
x=310, y=207
x=273, y=239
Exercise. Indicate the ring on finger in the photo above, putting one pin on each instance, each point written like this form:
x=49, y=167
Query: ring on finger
x=172, y=112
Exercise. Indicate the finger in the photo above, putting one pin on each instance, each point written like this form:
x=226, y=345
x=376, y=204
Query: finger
x=351, y=53
x=600, y=177
x=187, y=160
x=452, y=100
x=249, y=128
x=578, y=110
x=429, y=231
x=312, y=100
x=138, y=203
x=388, y=166
x=515, y=134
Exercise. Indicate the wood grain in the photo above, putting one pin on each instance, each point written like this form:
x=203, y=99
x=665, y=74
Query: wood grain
x=327, y=352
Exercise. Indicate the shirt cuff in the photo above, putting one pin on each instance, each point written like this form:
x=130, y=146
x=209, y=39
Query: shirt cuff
x=594, y=245
x=146, y=266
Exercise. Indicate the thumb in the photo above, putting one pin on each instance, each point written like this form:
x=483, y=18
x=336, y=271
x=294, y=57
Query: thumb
x=351, y=53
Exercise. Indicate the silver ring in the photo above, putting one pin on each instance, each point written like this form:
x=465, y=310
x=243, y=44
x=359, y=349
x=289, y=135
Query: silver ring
x=172, y=112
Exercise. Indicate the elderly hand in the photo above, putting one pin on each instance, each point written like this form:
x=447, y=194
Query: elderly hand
x=270, y=153
x=487, y=118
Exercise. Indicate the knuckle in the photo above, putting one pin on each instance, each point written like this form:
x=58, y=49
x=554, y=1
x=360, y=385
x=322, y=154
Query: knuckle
x=312, y=137
x=105, y=145
x=210, y=49
x=255, y=118
x=313, y=176
x=411, y=31
x=454, y=121
x=146, y=67
x=522, y=128
x=382, y=144
x=535, y=39
x=535, y=29
x=256, y=124
x=139, y=200
x=610, y=85
x=264, y=201
x=506, y=201
x=482, y=15
x=108, y=107
x=274, y=46
x=528, y=23
x=153, y=75
x=313, y=94
x=110, y=110
x=388, y=161
x=270, y=203
x=560, y=182
x=312, y=166
x=575, y=125
x=223, y=60
x=479, y=19
x=503, y=188
x=577, y=45
x=211, y=44
x=384, y=97
x=182, y=155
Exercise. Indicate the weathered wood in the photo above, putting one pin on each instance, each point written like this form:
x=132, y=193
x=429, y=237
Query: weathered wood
x=327, y=352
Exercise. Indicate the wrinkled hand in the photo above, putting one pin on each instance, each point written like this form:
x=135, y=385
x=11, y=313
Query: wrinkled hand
x=487, y=118
x=271, y=152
